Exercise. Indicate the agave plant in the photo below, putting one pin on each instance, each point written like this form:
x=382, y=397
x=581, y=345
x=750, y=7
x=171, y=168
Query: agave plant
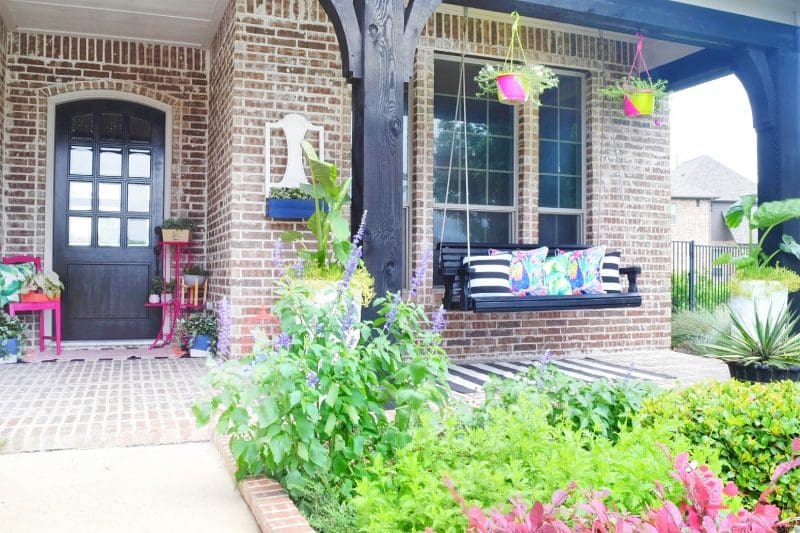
x=768, y=340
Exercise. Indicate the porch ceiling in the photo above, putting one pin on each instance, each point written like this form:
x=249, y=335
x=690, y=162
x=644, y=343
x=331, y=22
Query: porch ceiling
x=185, y=22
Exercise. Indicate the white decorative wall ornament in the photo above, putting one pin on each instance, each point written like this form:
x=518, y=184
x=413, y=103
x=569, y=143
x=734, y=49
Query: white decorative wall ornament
x=294, y=127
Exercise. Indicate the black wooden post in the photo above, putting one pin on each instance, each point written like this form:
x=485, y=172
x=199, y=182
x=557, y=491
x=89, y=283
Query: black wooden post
x=378, y=39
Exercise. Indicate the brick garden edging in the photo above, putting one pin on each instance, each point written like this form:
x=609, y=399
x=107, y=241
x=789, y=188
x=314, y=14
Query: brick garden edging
x=272, y=508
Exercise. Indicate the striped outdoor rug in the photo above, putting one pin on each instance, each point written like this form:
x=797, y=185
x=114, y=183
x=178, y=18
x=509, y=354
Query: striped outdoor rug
x=468, y=378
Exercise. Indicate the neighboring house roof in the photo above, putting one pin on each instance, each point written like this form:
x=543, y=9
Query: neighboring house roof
x=707, y=178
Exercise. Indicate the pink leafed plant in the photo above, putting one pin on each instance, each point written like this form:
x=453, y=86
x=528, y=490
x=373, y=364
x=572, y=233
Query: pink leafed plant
x=702, y=509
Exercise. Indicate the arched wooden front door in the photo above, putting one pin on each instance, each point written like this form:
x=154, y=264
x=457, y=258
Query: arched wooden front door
x=108, y=196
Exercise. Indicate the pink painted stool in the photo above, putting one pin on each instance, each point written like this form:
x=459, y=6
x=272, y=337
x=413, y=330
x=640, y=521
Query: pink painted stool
x=48, y=305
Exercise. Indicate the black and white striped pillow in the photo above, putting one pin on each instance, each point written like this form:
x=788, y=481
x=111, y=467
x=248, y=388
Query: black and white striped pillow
x=609, y=271
x=490, y=276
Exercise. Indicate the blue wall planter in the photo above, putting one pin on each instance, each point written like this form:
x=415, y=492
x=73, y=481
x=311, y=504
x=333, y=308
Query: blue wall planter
x=201, y=346
x=289, y=208
x=10, y=352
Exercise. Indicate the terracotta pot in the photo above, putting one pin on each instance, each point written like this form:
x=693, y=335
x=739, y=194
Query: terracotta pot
x=29, y=297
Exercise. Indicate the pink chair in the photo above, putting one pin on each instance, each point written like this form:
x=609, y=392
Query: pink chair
x=49, y=305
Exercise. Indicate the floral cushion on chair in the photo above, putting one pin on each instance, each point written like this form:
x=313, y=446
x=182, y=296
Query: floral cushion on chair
x=526, y=274
x=12, y=279
x=556, y=275
x=585, y=270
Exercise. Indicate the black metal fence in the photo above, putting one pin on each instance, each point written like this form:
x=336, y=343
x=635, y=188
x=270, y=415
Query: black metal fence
x=696, y=281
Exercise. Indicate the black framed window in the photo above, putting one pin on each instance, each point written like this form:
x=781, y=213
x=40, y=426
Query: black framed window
x=561, y=163
x=490, y=165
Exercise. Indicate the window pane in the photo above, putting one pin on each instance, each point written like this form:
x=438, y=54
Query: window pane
x=501, y=188
x=139, y=164
x=489, y=226
x=568, y=87
x=79, y=231
x=548, y=157
x=138, y=232
x=138, y=198
x=477, y=188
x=110, y=127
x=476, y=150
x=110, y=162
x=440, y=185
x=548, y=123
x=550, y=96
x=444, y=110
x=80, y=160
x=501, y=153
x=443, y=143
x=548, y=190
x=569, y=127
x=501, y=119
x=569, y=194
x=559, y=229
x=140, y=129
x=82, y=126
x=80, y=195
x=109, y=197
x=108, y=231
x=570, y=159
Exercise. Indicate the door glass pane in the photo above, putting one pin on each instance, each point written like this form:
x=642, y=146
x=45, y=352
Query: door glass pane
x=111, y=127
x=138, y=198
x=110, y=162
x=80, y=195
x=140, y=129
x=108, y=231
x=82, y=126
x=109, y=197
x=138, y=232
x=139, y=164
x=80, y=231
x=80, y=160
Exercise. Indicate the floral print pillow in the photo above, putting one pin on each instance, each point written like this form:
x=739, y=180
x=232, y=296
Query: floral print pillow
x=526, y=275
x=556, y=275
x=584, y=270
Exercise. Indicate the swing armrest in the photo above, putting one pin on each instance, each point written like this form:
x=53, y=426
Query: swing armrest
x=632, y=273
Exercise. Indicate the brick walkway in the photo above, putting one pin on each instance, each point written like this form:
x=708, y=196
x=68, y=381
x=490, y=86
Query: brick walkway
x=99, y=403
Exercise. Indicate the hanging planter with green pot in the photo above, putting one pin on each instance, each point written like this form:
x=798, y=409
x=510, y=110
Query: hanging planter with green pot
x=516, y=82
x=639, y=94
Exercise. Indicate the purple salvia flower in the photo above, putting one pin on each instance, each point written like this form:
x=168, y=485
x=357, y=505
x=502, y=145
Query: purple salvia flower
x=282, y=341
x=438, y=320
x=348, y=318
x=224, y=325
x=350, y=268
x=544, y=359
x=277, y=257
x=419, y=274
x=358, y=238
x=391, y=316
x=312, y=379
x=299, y=268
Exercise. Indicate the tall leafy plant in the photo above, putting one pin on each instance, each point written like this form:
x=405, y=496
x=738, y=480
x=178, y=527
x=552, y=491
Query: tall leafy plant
x=328, y=225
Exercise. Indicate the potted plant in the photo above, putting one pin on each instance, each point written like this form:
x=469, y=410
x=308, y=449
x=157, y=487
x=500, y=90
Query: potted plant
x=177, y=230
x=516, y=82
x=639, y=95
x=289, y=203
x=760, y=287
x=768, y=350
x=180, y=340
x=156, y=287
x=168, y=291
x=13, y=337
x=42, y=286
x=194, y=275
x=201, y=328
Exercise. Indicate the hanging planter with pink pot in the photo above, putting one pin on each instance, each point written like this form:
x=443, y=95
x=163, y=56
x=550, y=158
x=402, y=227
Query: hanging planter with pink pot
x=639, y=94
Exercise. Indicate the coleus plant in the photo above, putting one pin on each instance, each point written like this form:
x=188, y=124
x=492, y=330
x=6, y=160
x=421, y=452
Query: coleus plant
x=701, y=510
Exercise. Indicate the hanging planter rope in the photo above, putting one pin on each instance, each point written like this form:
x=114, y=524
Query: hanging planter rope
x=639, y=95
x=516, y=81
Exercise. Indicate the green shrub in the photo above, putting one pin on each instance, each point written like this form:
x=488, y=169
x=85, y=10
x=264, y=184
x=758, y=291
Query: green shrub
x=603, y=407
x=515, y=451
x=322, y=505
x=692, y=330
x=751, y=426
x=708, y=292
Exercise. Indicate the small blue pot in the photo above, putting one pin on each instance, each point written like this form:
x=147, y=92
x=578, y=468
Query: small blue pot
x=201, y=342
x=289, y=208
x=11, y=347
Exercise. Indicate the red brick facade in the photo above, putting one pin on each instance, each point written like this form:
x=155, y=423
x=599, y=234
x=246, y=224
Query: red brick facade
x=273, y=58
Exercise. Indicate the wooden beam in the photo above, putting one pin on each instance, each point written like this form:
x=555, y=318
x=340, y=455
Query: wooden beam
x=342, y=15
x=657, y=19
x=696, y=68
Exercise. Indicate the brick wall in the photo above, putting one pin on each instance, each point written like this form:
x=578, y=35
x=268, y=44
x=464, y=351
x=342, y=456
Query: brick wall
x=43, y=65
x=692, y=220
x=4, y=35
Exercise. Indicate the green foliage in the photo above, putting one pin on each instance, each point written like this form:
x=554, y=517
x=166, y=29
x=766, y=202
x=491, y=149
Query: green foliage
x=46, y=282
x=330, y=228
x=515, y=451
x=288, y=193
x=12, y=327
x=765, y=217
x=692, y=330
x=156, y=285
x=324, y=508
x=634, y=83
x=750, y=425
x=601, y=407
x=770, y=339
x=310, y=404
x=535, y=78
x=708, y=292
x=195, y=270
x=200, y=324
x=178, y=223
x=784, y=276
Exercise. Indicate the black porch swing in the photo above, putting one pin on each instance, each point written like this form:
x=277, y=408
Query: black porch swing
x=456, y=261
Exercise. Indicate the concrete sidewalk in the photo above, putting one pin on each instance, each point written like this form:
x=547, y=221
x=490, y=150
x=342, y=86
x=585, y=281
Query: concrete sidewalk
x=163, y=489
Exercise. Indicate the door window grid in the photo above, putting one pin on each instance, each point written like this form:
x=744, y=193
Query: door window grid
x=562, y=162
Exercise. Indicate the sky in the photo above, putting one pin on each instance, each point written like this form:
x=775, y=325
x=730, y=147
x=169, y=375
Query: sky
x=714, y=119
